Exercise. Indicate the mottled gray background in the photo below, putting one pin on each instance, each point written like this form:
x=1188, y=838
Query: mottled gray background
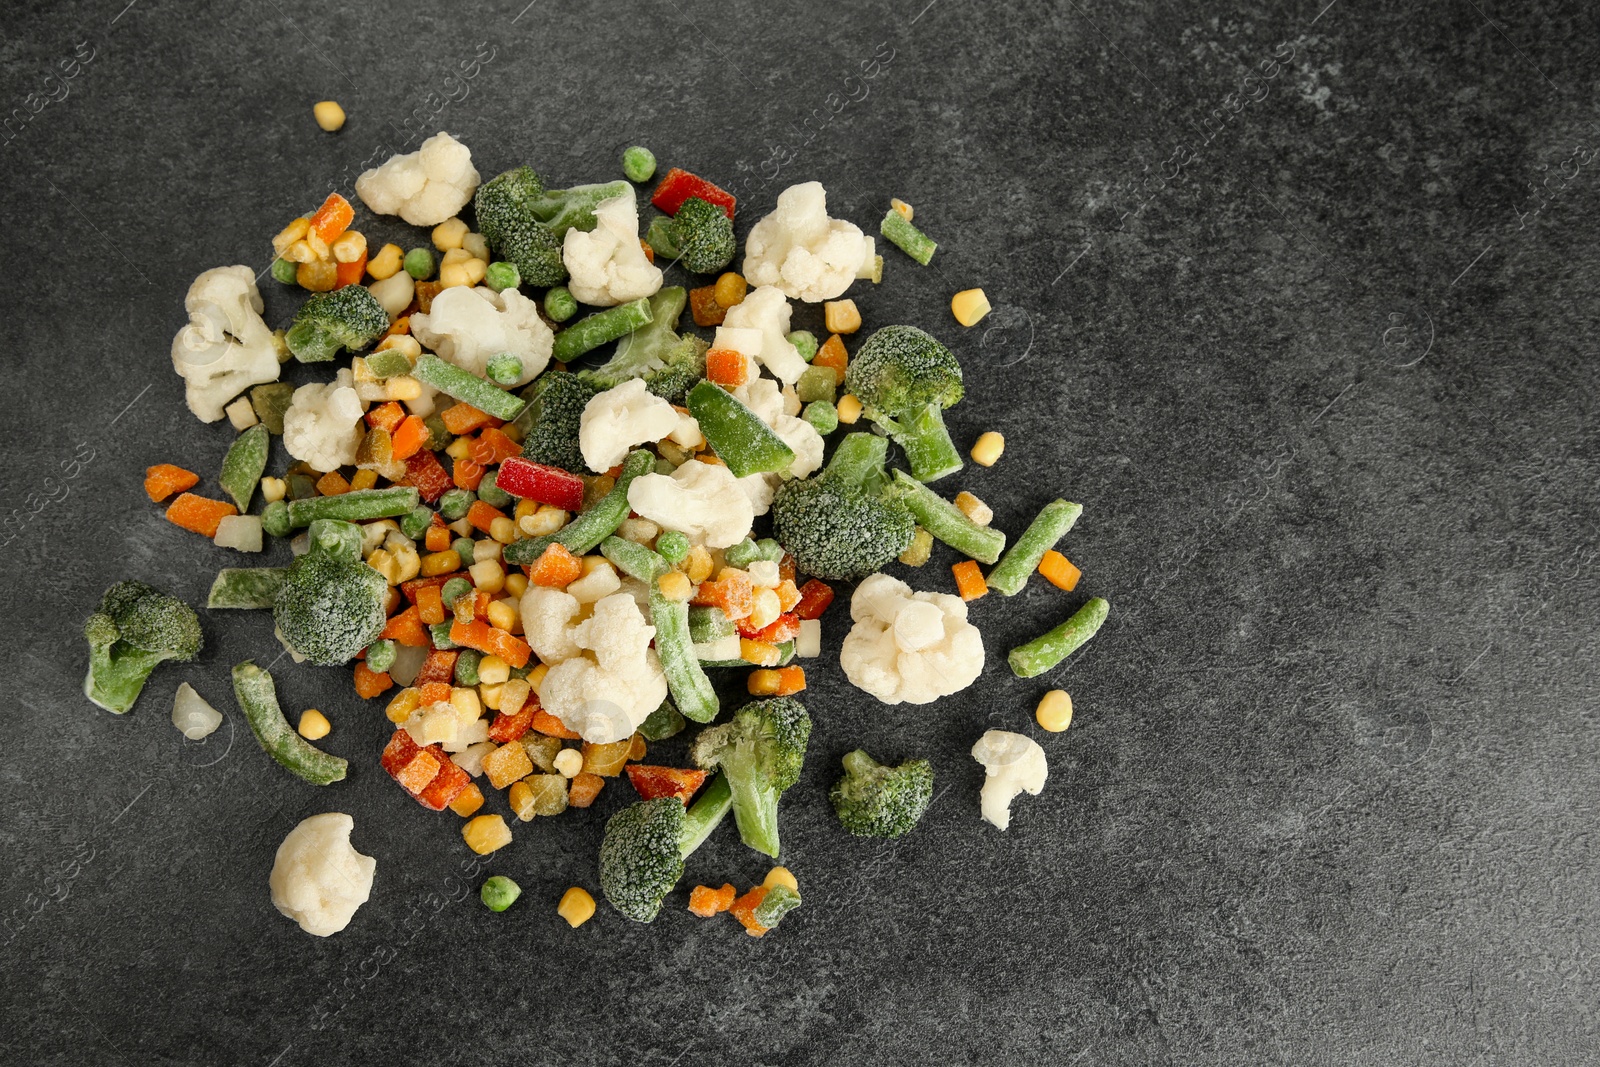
x=1315, y=350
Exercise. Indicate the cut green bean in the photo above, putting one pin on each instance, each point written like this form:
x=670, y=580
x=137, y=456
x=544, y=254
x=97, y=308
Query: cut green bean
x=691, y=690
x=907, y=238
x=633, y=559
x=252, y=687
x=595, y=330
x=947, y=522
x=467, y=387
x=243, y=465
x=1049, y=649
x=583, y=533
x=360, y=505
x=1048, y=527
x=246, y=587
x=708, y=623
x=741, y=440
x=390, y=363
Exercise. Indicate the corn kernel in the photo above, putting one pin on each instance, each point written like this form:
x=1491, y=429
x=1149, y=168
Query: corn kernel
x=524, y=508
x=905, y=209
x=675, y=585
x=764, y=609
x=849, y=408
x=516, y=584
x=592, y=563
x=569, y=761
x=969, y=306
x=536, y=675
x=295, y=231
x=299, y=251
x=468, y=800
x=476, y=244
x=437, y=563
x=382, y=562
x=764, y=683
x=313, y=725
x=460, y=448
x=349, y=246
x=577, y=907
x=273, y=489
x=317, y=277
x=502, y=616
x=455, y=255
x=386, y=264
x=476, y=270
x=466, y=703
x=781, y=876
x=918, y=551
x=490, y=694
x=493, y=669
x=329, y=115
x=697, y=564
x=987, y=450
x=1055, y=711
x=488, y=575
x=401, y=342
x=522, y=801
x=449, y=234
x=486, y=833
x=974, y=509
x=453, y=274
x=404, y=703
x=503, y=529
x=319, y=247
x=841, y=316
x=513, y=695
x=759, y=652
x=730, y=290
x=544, y=522
x=363, y=479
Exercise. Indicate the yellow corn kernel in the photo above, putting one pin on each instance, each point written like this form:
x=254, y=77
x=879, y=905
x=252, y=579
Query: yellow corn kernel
x=918, y=551
x=486, y=833
x=535, y=676
x=364, y=479
x=453, y=274
x=759, y=652
x=849, y=408
x=313, y=725
x=577, y=907
x=477, y=244
x=513, y=431
x=503, y=529
x=404, y=703
x=523, y=802
x=969, y=306
x=407, y=563
x=490, y=694
x=449, y=234
x=501, y=616
x=455, y=255
x=592, y=563
x=513, y=695
x=349, y=246
x=841, y=316
x=524, y=508
x=386, y=264
x=637, y=749
x=466, y=703
x=273, y=489
x=675, y=585
x=437, y=563
x=781, y=876
x=905, y=209
x=401, y=342
x=1055, y=711
x=298, y=251
x=986, y=452
x=316, y=277
x=295, y=231
x=476, y=270
x=569, y=762
x=516, y=584
x=697, y=564
x=730, y=289
x=974, y=509
x=319, y=247
x=329, y=115
x=460, y=448
x=493, y=669
x=488, y=575
x=764, y=609
x=763, y=683
x=382, y=562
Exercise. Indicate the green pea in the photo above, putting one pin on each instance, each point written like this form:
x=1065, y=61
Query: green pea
x=822, y=416
x=638, y=163
x=467, y=666
x=673, y=546
x=380, y=655
x=463, y=547
x=275, y=519
x=805, y=342
x=453, y=590
x=560, y=304
x=419, y=264
x=455, y=502
x=415, y=522
x=492, y=494
x=770, y=550
x=506, y=369
x=283, y=271
x=502, y=276
x=742, y=554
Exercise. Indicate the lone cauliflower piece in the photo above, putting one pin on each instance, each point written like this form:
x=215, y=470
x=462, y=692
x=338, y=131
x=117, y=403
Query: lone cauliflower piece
x=764, y=397
x=226, y=347
x=767, y=310
x=322, y=425
x=617, y=419
x=318, y=878
x=702, y=501
x=424, y=187
x=909, y=647
x=1014, y=764
x=799, y=249
x=467, y=327
x=608, y=265
x=613, y=684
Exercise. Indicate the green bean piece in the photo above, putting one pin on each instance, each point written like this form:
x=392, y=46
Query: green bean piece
x=708, y=623
x=817, y=383
x=504, y=369
x=464, y=549
x=779, y=901
x=1049, y=649
x=1022, y=559
x=490, y=492
x=419, y=264
x=947, y=522
x=906, y=237
x=380, y=655
x=467, y=387
x=638, y=163
x=440, y=632
x=691, y=690
x=499, y=893
x=502, y=276
x=591, y=527
x=359, y=505
x=283, y=271
x=243, y=465
x=805, y=342
x=741, y=440
x=390, y=363
x=245, y=587
x=415, y=522
x=673, y=546
x=595, y=330
x=271, y=400
x=633, y=559
x=453, y=590
x=560, y=304
x=275, y=519
x=455, y=502
x=467, y=666
x=822, y=415
x=666, y=721
x=253, y=688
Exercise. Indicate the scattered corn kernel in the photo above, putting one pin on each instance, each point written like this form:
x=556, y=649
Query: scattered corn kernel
x=460, y=448
x=401, y=342
x=488, y=575
x=449, y=234
x=988, y=449
x=849, y=408
x=544, y=522
x=364, y=479
x=386, y=264
x=516, y=584
x=329, y=115
x=455, y=255
x=764, y=683
x=568, y=762
x=781, y=876
x=841, y=316
x=1059, y=571
x=1055, y=711
x=502, y=529
x=502, y=616
x=918, y=551
x=313, y=725
x=969, y=306
x=730, y=289
x=493, y=669
x=490, y=694
x=478, y=245
x=577, y=907
x=675, y=585
x=536, y=675
x=486, y=833
x=454, y=274
x=295, y=231
x=764, y=609
x=317, y=277
x=349, y=246
x=404, y=703
x=273, y=489
x=522, y=801
x=974, y=509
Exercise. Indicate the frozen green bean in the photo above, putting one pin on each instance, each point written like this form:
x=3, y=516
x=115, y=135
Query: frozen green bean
x=1049, y=649
x=1048, y=527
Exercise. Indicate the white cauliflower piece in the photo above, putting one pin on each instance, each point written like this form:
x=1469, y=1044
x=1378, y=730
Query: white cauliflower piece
x=759, y=489
x=800, y=250
x=770, y=404
x=318, y=878
x=226, y=347
x=467, y=326
x=424, y=187
x=766, y=310
x=909, y=647
x=619, y=418
x=548, y=616
x=608, y=265
x=607, y=690
x=323, y=423
x=1013, y=764
x=702, y=501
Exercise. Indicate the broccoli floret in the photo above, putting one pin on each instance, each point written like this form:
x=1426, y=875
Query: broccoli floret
x=506, y=218
x=330, y=606
x=874, y=800
x=905, y=379
x=701, y=236
x=349, y=317
x=841, y=524
x=549, y=423
x=668, y=363
x=760, y=750
x=135, y=628
x=642, y=856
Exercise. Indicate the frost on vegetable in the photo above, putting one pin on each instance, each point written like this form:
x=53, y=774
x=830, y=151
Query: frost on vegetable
x=468, y=327
x=766, y=310
x=612, y=681
x=909, y=647
x=424, y=187
x=799, y=249
x=226, y=347
x=1014, y=764
x=323, y=424
x=318, y=878
x=764, y=397
x=703, y=501
x=619, y=418
x=608, y=265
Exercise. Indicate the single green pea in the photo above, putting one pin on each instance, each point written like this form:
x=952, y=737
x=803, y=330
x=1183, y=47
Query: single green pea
x=275, y=519
x=560, y=304
x=467, y=666
x=453, y=590
x=415, y=522
x=805, y=342
x=822, y=416
x=770, y=550
x=419, y=264
x=455, y=502
x=380, y=655
x=492, y=494
x=502, y=276
x=283, y=271
x=463, y=547
x=441, y=635
x=742, y=554
x=673, y=546
x=638, y=163
x=505, y=369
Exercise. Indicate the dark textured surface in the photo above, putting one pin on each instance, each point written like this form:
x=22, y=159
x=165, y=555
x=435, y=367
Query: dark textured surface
x=1317, y=360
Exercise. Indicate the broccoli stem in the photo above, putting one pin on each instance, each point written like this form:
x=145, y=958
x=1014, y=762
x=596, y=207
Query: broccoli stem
x=705, y=813
x=859, y=460
x=755, y=809
x=927, y=443
x=947, y=522
x=117, y=674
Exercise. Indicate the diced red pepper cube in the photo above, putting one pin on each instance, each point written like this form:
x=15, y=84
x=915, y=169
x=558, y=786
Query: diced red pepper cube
x=431, y=479
x=785, y=627
x=438, y=666
x=447, y=784
x=541, y=483
x=398, y=752
x=653, y=783
x=511, y=727
x=815, y=597
x=679, y=185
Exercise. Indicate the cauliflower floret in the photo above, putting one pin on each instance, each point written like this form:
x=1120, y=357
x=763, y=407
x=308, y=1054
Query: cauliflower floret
x=1013, y=763
x=318, y=878
x=771, y=405
x=608, y=266
x=226, y=347
x=767, y=310
x=759, y=489
x=702, y=501
x=323, y=423
x=548, y=616
x=610, y=687
x=909, y=647
x=800, y=250
x=617, y=419
x=424, y=187
x=467, y=326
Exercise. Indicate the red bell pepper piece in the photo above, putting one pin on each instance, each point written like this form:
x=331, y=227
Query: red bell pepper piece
x=425, y=472
x=785, y=627
x=446, y=785
x=541, y=483
x=511, y=727
x=679, y=185
x=815, y=597
x=653, y=783
x=438, y=666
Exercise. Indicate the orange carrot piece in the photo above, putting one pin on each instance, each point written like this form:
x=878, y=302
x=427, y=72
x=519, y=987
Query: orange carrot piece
x=791, y=680
x=557, y=568
x=704, y=307
x=386, y=417
x=438, y=538
x=1059, y=571
x=462, y=419
x=332, y=484
x=369, y=683
x=164, y=479
x=332, y=218
x=485, y=638
x=726, y=367
x=468, y=800
x=411, y=435
x=407, y=628
x=399, y=326
x=466, y=472
x=833, y=356
x=969, y=580
x=433, y=693
x=349, y=273
x=706, y=902
x=496, y=445
x=547, y=724
x=480, y=516
x=199, y=514
x=430, y=606
x=584, y=789
x=744, y=909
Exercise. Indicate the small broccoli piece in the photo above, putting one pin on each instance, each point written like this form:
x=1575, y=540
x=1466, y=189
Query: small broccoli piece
x=778, y=901
x=841, y=524
x=135, y=628
x=549, y=423
x=905, y=379
x=349, y=317
x=506, y=218
x=668, y=363
x=760, y=750
x=330, y=606
x=642, y=856
x=874, y=800
x=700, y=236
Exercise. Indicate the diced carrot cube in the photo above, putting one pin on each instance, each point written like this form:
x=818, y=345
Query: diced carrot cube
x=733, y=593
x=438, y=538
x=411, y=435
x=481, y=516
x=416, y=585
x=462, y=419
x=468, y=800
x=556, y=568
x=424, y=471
x=497, y=446
x=744, y=909
x=833, y=356
x=485, y=638
x=448, y=784
x=199, y=514
x=386, y=417
x=398, y=752
x=583, y=789
x=433, y=693
x=370, y=683
x=703, y=305
x=652, y=782
x=466, y=472
x=791, y=680
x=727, y=367
x=349, y=273
x=969, y=579
x=783, y=628
x=430, y=606
x=545, y=723
x=164, y=479
x=332, y=218
x=1059, y=571
x=407, y=629
x=399, y=326
x=417, y=772
x=333, y=484
x=438, y=668
x=788, y=595
x=706, y=902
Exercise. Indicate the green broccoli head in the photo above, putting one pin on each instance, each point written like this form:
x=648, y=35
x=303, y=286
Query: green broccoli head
x=905, y=379
x=841, y=524
x=550, y=422
x=760, y=751
x=506, y=218
x=641, y=857
x=874, y=800
x=330, y=605
x=668, y=363
x=700, y=236
x=349, y=317
x=135, y=628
